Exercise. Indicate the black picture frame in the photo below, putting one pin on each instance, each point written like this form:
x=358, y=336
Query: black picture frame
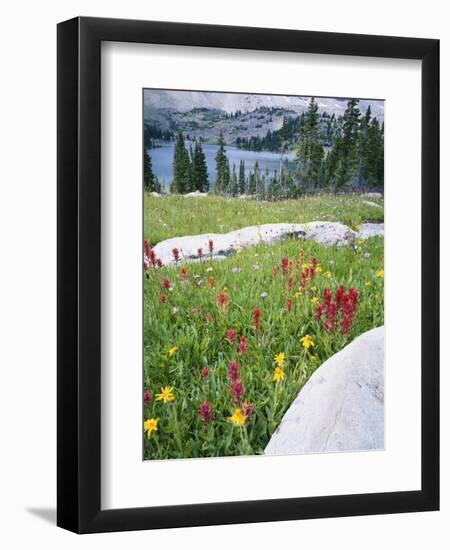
x=79, y=277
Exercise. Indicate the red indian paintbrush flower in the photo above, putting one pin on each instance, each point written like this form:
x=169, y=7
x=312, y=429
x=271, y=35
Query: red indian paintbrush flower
x=290, y=283
x=237, y=390
x=159, y=263
x=166, y=283
x=288, y=305
x=211, y=282
x=242, y=346
x=183, y=273
x=205, y=413
x=147, y=397
x=176, y=254
x=204, y=372
x=256, y=316
x=200, y=252
x=162, y=298
x=222, y=301
x=210, y=246
x=340, y=310
x=233, y=371
x=231, y=335
x=248, y=408
x=284, y=264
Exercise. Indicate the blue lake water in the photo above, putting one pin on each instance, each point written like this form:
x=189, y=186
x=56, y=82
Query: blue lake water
x=162, y=159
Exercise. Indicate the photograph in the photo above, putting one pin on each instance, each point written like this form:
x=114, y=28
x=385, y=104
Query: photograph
x=263, y=300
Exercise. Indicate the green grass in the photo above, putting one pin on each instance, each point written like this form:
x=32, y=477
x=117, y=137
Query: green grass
x=175, y=215
x=190, y=320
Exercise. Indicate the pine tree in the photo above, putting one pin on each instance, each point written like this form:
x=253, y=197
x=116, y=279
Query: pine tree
x=242, y=177
x=251, y=185
x=181, y=167
x=222, y=167
x=150, y=181
x=347, y=145
x=200, y=168
x=310, y=151
x=375, y=155
x=234, y=187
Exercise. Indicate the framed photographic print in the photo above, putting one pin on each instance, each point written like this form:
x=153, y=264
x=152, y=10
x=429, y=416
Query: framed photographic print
x=248, y=254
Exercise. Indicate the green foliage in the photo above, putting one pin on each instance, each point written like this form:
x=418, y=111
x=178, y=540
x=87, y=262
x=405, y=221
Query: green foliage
x=151, y=182
x=222, y=168
x=310, y=151
x=182, y=174
x=190, y=320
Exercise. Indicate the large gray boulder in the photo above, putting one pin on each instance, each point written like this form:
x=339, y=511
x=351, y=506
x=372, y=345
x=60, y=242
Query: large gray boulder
x=341, y=407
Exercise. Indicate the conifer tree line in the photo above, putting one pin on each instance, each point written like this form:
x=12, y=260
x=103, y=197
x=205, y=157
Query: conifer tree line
x=331, y=155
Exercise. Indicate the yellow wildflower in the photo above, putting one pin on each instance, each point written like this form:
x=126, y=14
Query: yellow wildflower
x=314, y=300
x=306, y=341
x=368, y=283
x=313, y=358
x=379, y=273
x=313, y=288
x=172, y=351
x=297, y=295
x=166, y=394
x=237, y=418
x=278, y=374
x=279, y=359
x=318, y=268
x=150, y=425
x=328, y=274
x=305, y=266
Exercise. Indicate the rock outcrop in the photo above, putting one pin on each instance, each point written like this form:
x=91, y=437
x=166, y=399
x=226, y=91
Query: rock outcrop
x=341, y=407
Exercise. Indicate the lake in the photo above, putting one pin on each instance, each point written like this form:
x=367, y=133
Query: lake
x=162, y=159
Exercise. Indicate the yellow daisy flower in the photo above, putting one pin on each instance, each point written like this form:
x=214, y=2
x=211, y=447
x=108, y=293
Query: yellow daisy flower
x=166, y=394
x=328, y=274
x=314, y=300
x=237, y=418
x=278, y=374
x=279, y=359
x=306, y=341
x=172, y=351
x=150, y=425
x=379, y=273
x=318, y=268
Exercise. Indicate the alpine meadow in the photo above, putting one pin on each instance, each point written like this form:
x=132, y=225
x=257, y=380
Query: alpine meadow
x=263, y=286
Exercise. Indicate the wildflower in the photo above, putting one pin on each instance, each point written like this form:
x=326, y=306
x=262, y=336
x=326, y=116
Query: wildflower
x=274, y=271
x=199, y=284
x=159, y=263
x=248, y=408
x=237, y=418
x=166, y=394
x=209, y=318
x=200, y=252
x=284, y=264
x=314, y=300
x=255, y=267
x=279, y=359
x=231, y=335
x=238, y=249
x=343, y=306
x=210, y=246
x=205, y=413
x=278, y=374
x=211, y=282
x=368, y=283
x=379, y=273
x=306, y=341
x=313, y=289
x=288, y=305
x=174, y=310
x=209, y=269
x=327, y=274
x=176, y=254
x=264, y=295
x=204, y=372
x=242, y=346
x=166, y=283
x=150, y=425
x=256, y=316
x=162, y=298
x=183, y=272
x=318, y=268
x=233, y=371
x=236, y=269
x=172, y=351
x=147, y=397
x=222, y=301
x=313, y=358
x=297, y=295
x=290, y=283
x=237, y=390
x=366, y=255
